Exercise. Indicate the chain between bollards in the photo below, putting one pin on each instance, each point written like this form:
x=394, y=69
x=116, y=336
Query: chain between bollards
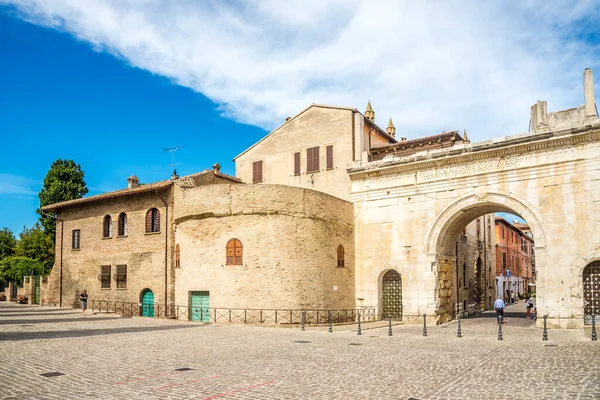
x=303, y=319
x=424, y=325
x=500, y=330
x=330, y=326
x=358, y=332
x=545, y=337
x=390, y=325
x=459, y=333
x=594, y=337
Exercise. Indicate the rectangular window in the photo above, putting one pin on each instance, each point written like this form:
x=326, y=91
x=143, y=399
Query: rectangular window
x=296, y=163
x=257, y=171
x=121, y=276
x=312, y=159
x=329, y=157
x=76, y=234
x=504, y=260
x=105, y=276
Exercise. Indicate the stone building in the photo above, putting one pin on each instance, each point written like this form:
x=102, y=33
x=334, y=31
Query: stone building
x=514, y=253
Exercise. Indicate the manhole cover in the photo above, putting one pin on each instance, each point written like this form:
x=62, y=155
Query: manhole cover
x=354, y=344
x=51, y=374
x=301, y=341
x=183, y=369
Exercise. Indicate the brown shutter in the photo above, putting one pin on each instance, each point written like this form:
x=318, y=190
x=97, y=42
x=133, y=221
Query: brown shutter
x=257, y=171
x=309, y=160
x=312, y=159
x=329, y=157
x=106, y=232
x=260, y=171
x=296, y=163
x=149, y=221
x=157, y=221
x=316, y=158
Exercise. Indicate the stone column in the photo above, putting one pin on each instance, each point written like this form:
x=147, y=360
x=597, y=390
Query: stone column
x=588, y=94
x=542, y=116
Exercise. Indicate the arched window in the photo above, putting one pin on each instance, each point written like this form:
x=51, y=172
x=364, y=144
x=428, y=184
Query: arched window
x=177, y=257
x=234, y=252
x=107, y=227
x=122, y=229
x=340, y=256
x=152, y=220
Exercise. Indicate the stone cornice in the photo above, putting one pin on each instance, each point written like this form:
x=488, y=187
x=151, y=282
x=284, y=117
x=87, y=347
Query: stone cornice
x=465, y=153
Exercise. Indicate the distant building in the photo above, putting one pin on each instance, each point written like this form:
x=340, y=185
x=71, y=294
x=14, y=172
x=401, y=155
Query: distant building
x=515, y=265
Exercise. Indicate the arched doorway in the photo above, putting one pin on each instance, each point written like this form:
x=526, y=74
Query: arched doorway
x=147, y=303
x=391, y=295
x=591, y=292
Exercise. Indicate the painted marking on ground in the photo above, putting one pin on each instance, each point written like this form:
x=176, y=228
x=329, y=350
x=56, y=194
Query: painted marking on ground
x=220, y=395
x=184, y=383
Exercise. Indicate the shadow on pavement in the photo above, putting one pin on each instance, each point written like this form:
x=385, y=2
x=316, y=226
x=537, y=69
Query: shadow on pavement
x=17, y=310
x=37, y=314
x=20, y=336
x=52, y=321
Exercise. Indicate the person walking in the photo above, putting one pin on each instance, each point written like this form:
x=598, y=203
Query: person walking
x=529, y=304
x=83, y=298
x=512, y=297
x=499, y=306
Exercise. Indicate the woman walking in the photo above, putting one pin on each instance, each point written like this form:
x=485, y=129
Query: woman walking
x=83, y=298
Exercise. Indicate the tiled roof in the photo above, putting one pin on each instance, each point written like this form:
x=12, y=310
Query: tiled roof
x=442, y=135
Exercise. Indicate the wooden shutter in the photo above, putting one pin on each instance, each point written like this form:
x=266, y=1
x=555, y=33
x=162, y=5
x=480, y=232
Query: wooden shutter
x=149, y=221
x=312, y=159
x=177, y=256
x=76, y=239
x=234, y=252
x=329, y=157
x=156, y=221
x=296, y=163
x=106, y=230
x=121, y=224
x=238, y=253
x=257, y=172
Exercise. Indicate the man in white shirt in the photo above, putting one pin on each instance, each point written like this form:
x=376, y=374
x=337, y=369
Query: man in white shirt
x=499, y=306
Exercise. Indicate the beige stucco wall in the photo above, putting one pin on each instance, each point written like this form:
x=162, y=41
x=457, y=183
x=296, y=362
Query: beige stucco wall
x=289, y=237
x=317, y=126
x=410, y=211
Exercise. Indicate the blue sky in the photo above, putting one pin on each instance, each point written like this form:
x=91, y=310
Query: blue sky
x=110, y=84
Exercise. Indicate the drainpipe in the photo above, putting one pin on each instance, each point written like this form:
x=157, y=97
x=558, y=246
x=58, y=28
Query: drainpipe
x=166, y=246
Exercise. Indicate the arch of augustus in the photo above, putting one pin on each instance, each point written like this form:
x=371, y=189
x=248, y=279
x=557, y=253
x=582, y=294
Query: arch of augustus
x=410, y=210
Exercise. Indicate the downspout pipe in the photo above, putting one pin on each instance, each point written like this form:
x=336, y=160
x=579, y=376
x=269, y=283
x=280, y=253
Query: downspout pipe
x=166, y=247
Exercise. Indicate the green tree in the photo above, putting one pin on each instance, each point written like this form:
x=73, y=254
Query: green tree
x=14, y=268
x=7, y=243
x=35, y=244
x=64, y=181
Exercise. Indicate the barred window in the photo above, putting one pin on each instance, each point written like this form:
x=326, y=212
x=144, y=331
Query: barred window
x=177, y=256
x=107, y=227
x=121, y=276
x=76, y=235
x=257, y=172
x=152, y=221
x=340, y=256
x=105, y=276
x=234, y=252
x=122, y=225
x=312, y=159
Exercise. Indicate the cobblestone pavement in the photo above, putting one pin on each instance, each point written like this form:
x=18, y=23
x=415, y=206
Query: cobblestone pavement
x=109, y=357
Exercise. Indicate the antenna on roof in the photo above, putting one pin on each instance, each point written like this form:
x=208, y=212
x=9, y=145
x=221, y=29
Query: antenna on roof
x=172, y=150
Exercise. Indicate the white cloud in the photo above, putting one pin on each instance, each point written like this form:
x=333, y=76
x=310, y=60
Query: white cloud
x=431, y=65
x=18, y=186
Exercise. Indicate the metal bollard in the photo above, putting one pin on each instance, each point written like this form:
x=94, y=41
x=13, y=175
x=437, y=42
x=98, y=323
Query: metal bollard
x=424, y=325
x=330, y=326
x=594, y=337
x=500, y=330
x=459, y=333
x=545, y=337
x=358, y=332
x=303, y=319
x=390, y=326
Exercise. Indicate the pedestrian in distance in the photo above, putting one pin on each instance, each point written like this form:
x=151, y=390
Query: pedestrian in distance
x=529, y=304
x=83, y=298
x=512, y=297
x=499, y=306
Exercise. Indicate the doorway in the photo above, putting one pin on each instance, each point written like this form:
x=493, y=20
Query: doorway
x=391, y=295
x=199, y=306
x=147, y=303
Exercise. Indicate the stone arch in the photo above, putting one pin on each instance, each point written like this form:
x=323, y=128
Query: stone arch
x=459, y=212
x=576, y=279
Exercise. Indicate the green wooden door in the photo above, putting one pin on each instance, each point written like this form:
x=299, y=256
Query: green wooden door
x=148, y=303
x=199, y=306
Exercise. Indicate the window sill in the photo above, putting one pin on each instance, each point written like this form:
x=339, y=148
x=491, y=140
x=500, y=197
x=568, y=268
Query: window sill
x=253, y=182
x=121, y=288
x=234, y=265
x=75, y=249
x=329, y=169
x=121, y=236
x=106, y=237
x=152, y=233
x=105, y=288
x=297, y=174
x=312, y=172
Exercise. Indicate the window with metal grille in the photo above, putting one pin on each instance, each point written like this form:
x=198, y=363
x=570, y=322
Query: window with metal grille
x=340, y=256
x=257, y=172
x=122, y=225
x=105, y=276
x=107, y=227
x=121, y=276
x=312, y=159
x=234, y=252
x=152, y=221
x=296, y=163
x=76, y=235
x=329, y=157
x=177, y=256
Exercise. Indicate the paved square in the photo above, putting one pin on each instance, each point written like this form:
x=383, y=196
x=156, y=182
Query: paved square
x=109, y=357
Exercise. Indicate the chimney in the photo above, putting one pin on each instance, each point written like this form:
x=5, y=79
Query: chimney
x=217, y=168
x=370, y=114
x=133, y=182
x=588, y=94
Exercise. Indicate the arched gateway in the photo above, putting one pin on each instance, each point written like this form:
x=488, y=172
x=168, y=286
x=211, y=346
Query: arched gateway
x=410, y=210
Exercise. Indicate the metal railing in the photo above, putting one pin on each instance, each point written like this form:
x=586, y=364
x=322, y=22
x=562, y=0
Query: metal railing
x=235, y=315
